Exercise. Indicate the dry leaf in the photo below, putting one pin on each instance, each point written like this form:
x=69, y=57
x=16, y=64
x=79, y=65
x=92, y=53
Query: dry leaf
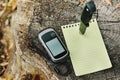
x=8, y=38
x=4, y=64
x=14, y=4
x=117, y=6
x=82, y=1
x=109, y=2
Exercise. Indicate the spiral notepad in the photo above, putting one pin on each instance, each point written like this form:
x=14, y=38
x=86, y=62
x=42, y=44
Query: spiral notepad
x=87, y=52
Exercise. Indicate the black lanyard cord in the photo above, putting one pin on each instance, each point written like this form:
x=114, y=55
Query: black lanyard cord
x=64, y=68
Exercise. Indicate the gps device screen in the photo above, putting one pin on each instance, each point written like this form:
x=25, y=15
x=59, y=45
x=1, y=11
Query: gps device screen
x=55, y=46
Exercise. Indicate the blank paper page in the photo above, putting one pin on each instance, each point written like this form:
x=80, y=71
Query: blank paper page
x=87, y=52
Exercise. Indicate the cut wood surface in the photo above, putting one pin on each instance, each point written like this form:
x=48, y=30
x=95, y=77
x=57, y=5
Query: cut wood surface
x=30, y=62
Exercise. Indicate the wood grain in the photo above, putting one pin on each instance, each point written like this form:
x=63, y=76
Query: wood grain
x=30, y=59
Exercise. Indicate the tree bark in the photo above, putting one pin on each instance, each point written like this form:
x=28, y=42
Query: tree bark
x=30, y=59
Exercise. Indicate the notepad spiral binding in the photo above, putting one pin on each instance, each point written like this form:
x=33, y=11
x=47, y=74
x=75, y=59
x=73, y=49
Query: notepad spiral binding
x=75, y=24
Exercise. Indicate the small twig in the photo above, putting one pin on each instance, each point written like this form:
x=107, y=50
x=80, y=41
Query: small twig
x=109, y=21
x=6, y=1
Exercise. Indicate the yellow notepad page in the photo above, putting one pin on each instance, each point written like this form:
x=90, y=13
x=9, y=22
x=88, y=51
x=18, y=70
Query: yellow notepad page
x=87, y=52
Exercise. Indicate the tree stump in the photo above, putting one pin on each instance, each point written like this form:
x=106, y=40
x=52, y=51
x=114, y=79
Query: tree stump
x=57, y=13
x=33, y=16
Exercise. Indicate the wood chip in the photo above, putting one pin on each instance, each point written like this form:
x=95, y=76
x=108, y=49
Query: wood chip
x=65, y=0
x=109, y=2
x=117, y=6
x=82, y=1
